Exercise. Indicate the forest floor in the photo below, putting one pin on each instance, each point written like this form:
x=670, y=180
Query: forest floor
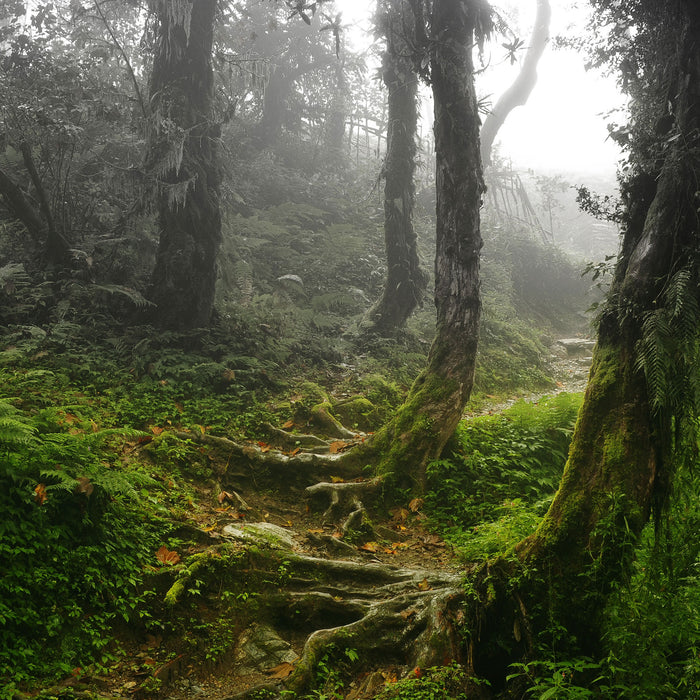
x=218, y=646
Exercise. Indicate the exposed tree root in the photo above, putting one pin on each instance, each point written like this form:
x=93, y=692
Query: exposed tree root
x=389, y=615
x=247, y=462
x=344, y=500
x=292, y=440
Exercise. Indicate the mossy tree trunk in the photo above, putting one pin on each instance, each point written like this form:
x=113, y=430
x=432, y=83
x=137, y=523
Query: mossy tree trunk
x=435, y=403
x=183, y=159
x=625, y=443
x=405, y=283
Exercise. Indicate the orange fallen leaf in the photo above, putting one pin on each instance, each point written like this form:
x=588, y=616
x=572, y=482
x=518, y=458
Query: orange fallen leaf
x=264, y=447
x=415, y=505
x=369, y=547
x=167, y=557
x=337, y=446
x=338, y=535
x=85, y=486
x=40, y=494
x=408, y=614
x=337, y=480
x=295, y=451
x=289, y=424
x=316, y=530
x=281, y=671
x=424, y=585
x=224, y=496
x=156, y=430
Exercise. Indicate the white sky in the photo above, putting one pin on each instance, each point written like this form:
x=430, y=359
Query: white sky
x=561, y=129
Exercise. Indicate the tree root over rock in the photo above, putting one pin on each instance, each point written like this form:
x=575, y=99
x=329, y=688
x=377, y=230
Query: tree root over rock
x=384, y=614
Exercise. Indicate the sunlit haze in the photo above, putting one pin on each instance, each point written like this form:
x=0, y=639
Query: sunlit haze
x=562, y=129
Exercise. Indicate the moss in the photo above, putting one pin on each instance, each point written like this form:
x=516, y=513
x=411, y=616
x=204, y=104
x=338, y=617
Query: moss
x=198, y=562
x=358, y=413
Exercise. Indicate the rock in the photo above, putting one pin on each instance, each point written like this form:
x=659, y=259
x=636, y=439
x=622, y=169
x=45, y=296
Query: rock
x=267, y=534
x=260, y=648
x=576, y=346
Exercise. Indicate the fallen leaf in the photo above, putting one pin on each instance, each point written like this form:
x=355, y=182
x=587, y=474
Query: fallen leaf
x=337, y=446
x=281, y=671
x=40, y=494
x=228, y=375
x=369, y=547
x=264, y=447
x=289, y=424
x=84, y=486
x=316, y=530
x=337, y=480
x=295, y=451
x=415, y=505
x=408, y=614
x=424, y=585
x=167, y=557
x=223, y=496
x=156, y=430
x=338, y=535
x=209, y=528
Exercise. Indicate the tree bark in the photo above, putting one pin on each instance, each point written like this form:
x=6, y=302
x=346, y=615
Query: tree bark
x=183, y=155
x=435, y=403
x=406, y=282
x=622, y=454
x=519, y=92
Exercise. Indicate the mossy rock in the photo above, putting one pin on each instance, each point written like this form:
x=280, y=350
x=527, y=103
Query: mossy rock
x=358, y=413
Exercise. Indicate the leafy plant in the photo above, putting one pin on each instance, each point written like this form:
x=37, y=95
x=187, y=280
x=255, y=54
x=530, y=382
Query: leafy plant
x=503, y=471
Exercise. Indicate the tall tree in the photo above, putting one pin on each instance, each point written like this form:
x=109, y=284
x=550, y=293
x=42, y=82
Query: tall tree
x=183, y=159
x=520, y=90
x=405, y=283
x=447, y=30
x=638, y=419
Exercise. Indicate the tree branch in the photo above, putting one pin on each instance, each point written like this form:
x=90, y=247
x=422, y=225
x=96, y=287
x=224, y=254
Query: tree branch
x=519, y=92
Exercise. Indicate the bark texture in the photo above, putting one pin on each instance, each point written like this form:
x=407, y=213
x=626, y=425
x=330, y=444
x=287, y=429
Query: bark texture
x=435, y=403
x=406, y=282
x=183, y=156
x=621, y=457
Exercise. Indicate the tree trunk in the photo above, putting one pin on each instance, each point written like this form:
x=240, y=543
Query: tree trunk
x=45, y=237
x=519, y=92
x=183, y=155
x=405, y=284
x=435, y=403
x=622, y=455
x=335, y=121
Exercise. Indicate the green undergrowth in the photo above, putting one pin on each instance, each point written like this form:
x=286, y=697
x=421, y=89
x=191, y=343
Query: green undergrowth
x=501, y=474
x=74, y=540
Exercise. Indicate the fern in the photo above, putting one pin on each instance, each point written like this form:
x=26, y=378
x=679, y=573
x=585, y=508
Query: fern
x=135, y=297
x=14, y=431
x=667, y=351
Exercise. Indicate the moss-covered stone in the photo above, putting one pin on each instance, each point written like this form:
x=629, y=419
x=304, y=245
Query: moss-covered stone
x=358, y=413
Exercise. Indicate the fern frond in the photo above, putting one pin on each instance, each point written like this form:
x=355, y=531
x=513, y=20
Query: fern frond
x=135, y=297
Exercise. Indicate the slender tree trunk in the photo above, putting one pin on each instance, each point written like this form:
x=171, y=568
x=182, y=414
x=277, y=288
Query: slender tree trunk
x=519, y=92
x=406, y=282
x=183, y=155
x=435, y=403
x=335, y=121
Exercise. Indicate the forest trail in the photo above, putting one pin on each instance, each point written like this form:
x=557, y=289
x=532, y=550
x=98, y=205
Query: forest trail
x=278, y=578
